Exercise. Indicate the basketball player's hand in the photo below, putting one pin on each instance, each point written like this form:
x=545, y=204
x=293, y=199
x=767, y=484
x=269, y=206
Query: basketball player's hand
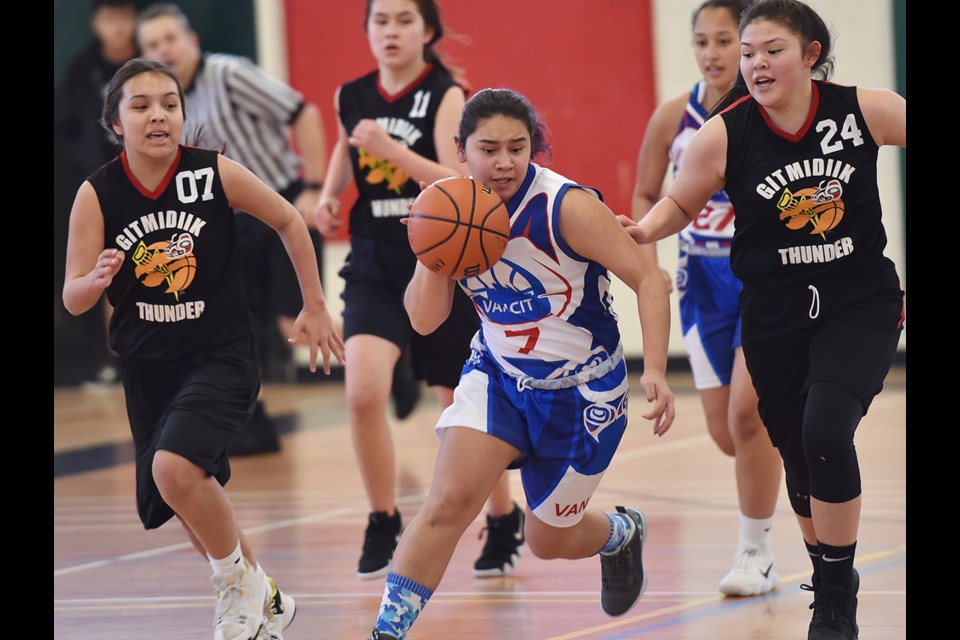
x=406, y=221
x=108, y=264
x=315, y=328
x=327, y=216
x=632, y=228
x=306, y=203
x=369, y=135
x=662, y=411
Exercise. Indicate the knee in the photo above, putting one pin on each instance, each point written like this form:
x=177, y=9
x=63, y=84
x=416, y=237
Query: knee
x=451, y=507
x=364, y=400
x=745, y=421
x=830, y=419
x=541, y=543
x=174, y=475
x=544, y=541
x=719, y=431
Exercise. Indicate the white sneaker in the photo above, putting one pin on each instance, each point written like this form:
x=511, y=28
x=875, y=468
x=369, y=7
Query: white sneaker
x=279, y=610
x=753, y=572
x=240, y=597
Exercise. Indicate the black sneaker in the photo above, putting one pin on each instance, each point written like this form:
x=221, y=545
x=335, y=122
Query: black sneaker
x=381, y=635
x=501, y=552
x=379, y=543
x=405, y=389
x=834, y=611
x=621, y=574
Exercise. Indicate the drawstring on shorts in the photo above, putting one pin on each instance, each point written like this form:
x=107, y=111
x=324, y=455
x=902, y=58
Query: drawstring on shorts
x=814, y=302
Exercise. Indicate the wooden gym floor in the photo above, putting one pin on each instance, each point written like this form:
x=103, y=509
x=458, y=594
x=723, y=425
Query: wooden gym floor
x=304, y=511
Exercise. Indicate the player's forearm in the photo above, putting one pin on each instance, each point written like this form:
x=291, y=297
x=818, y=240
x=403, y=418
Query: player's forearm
x=312, y=142
x=81, y=294
x=428, y=300
x=296, y=240
x=653, y=303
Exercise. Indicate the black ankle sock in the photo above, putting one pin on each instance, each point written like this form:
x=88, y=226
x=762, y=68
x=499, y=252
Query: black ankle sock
x=837, y=565
x=814, y=553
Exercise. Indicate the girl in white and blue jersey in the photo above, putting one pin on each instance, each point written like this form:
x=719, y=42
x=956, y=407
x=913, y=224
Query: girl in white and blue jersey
x=545, y=389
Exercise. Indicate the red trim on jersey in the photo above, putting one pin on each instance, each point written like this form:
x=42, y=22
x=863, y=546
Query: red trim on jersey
x=794, y=137
x=153, y=195
x=407, y=89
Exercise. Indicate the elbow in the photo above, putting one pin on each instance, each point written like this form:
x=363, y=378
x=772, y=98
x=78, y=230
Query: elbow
x=72, y=308
x=423, y=327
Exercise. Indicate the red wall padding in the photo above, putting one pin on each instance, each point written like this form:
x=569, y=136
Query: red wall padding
x=587, y=65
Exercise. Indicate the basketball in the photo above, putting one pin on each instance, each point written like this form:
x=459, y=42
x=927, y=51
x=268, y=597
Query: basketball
x=458, y=227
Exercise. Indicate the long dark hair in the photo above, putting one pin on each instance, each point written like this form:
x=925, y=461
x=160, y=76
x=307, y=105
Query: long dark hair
x=131, y=68
x=487, y=103
x=735, y=7
x=430, y=12
x=799, y=19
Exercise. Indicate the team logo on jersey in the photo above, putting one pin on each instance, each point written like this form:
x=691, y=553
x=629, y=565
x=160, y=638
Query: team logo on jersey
x=381, y=170
x=510, y=294
x=167, y=262
x=820, y=206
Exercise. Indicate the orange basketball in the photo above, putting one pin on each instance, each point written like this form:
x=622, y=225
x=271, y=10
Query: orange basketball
x=458, y=227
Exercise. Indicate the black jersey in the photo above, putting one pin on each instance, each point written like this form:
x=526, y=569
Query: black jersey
x=808, y=203
x=385, y=190
x=180, y=289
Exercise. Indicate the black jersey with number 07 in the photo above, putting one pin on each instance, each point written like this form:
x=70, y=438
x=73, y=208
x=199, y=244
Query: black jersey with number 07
x=180, y=289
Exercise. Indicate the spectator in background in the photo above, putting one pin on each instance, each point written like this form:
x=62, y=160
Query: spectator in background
x=81, y=146
x=237, y=107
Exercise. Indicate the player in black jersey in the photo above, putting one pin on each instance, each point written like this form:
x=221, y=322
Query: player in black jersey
x=396, y=127
x=822, y=306
x=155, y=229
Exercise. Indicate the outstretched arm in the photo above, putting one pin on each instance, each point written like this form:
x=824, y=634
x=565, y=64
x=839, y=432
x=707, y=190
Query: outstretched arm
x=592, y=230
x=313, y=325
x=701, y=175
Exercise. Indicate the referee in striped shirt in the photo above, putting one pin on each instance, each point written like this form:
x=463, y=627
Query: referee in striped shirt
x=237, y=108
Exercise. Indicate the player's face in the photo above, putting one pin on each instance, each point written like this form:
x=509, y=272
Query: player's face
x=774, y=64
x=396, y=32
x=166, y=40
x=151, y=116
x=498, y=153
x=115, y=26
x=716, y=39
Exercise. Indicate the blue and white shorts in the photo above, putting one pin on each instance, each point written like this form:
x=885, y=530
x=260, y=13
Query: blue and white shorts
x=566, y=437
x=709, y=296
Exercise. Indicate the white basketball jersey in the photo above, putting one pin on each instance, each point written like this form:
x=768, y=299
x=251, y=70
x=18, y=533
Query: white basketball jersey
x=715, y=222
x=545, y=311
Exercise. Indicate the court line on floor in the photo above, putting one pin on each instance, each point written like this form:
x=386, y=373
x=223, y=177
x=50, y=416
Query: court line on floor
x=279, y=524
x=686, y=606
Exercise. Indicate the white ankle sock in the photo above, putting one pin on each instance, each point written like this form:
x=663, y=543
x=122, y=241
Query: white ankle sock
x=227, y=564
x=755, y=530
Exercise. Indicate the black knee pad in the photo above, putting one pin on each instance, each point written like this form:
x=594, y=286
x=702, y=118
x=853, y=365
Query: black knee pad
x=797, y=477
x=830, y=418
